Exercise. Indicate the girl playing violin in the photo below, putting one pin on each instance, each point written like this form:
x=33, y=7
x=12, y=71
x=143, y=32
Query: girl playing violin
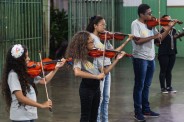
x=19, y=93
x=89, y=71
x=96, y=26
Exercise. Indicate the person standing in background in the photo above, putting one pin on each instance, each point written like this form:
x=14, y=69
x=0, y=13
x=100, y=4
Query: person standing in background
x=167, y=51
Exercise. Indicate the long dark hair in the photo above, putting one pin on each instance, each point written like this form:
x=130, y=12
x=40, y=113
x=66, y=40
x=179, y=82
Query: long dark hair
x=77, y=48
x=18, y=65
x=93, y=20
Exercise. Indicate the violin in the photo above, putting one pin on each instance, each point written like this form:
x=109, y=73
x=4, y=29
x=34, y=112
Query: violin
x=108, y=53
x=163, y=22
x=34, y=68
x=110, y=36
x=115, y=35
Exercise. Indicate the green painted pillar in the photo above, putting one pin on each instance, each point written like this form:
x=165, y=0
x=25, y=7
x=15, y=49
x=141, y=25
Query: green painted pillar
x=46, y=26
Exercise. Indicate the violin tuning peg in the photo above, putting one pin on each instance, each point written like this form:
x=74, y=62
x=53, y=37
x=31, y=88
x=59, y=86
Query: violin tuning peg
x=183, y=29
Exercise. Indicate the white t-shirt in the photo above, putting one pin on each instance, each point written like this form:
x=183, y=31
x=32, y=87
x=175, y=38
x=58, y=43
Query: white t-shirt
x=99, y=45
x=146, y=50
x=22, y=112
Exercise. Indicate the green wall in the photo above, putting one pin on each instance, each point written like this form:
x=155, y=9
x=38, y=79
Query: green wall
x=127, y=14
x=177, y=13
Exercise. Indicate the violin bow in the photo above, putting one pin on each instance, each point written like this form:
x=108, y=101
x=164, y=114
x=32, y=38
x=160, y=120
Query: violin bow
x=130, y=36
x=105, y=41
x=45, y=84
x=159, y=12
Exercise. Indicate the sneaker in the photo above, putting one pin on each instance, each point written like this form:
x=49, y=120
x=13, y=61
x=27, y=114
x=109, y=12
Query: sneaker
x=139, y=117
x=151, y=114
x=170, y=89
x=164, y=91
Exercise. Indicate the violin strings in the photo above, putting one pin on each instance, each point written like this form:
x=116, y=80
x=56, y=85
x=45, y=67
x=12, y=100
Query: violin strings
x=104, y=51
x=159, y=16
x=53, y=61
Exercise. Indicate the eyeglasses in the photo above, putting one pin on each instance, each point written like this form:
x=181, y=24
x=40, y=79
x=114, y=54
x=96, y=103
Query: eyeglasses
x=104, y=25
x=149, y=14
x=91, y=42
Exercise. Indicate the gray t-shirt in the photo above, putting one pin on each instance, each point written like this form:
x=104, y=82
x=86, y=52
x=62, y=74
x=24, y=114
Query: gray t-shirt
x=144, y=51
x=99, y=45
x=18, y=112
x=88, y=66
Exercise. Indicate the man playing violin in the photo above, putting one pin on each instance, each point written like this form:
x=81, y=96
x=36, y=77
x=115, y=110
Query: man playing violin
x=143, y=61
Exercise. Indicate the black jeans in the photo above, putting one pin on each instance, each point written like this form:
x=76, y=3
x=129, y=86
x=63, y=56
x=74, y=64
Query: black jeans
x=166, y=65
x=89, y=92
x=24, y=121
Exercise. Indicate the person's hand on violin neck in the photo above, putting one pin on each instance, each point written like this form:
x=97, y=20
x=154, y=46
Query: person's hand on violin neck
x=172, y=23
x=60, y=64
x=131, y=36
x=170, y=26
x=120, y=55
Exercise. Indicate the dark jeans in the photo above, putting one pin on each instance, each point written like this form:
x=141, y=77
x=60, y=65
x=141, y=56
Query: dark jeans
x=24, y=121
x=143, y=70
x=166, y=65
x=90, y=99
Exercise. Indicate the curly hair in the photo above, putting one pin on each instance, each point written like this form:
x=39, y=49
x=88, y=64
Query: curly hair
x=77, y=49
x=93, y=20
x=19, y=66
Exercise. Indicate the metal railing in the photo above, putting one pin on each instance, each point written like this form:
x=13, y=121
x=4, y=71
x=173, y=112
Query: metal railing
x=81, y=10
x=21, y=22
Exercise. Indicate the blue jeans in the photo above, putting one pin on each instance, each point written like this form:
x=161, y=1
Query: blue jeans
x=143, y=70
x=104, y=99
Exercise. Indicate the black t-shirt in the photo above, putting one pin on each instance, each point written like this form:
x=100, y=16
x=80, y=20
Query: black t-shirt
x=165, y=46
